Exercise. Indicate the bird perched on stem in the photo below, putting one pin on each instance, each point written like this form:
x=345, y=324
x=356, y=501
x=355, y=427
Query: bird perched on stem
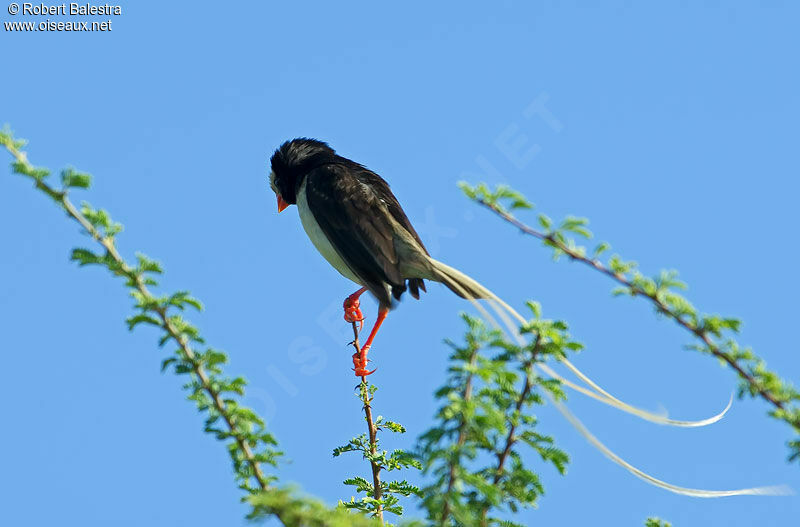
x=355, y=221
x=358, y=226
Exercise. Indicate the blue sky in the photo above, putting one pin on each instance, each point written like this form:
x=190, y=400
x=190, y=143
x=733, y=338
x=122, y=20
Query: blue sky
x=674, y=129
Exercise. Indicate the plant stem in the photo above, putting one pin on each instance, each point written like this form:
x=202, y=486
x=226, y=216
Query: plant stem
x=596, y=264
x=510, y=438
x=372, y=429
x=462, y=436
x=166, y=323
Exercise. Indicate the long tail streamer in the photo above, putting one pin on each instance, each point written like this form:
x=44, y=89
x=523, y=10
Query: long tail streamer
x=599, y=394
x=454, y=278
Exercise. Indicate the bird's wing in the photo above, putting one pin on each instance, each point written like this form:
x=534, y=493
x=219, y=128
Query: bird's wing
x=355, y=209
x=381, y=188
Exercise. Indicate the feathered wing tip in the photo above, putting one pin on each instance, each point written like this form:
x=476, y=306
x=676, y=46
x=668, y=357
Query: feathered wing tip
x=454, y=279
x=415, y=285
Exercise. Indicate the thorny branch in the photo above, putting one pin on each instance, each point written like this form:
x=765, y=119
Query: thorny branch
x=366, y=398
x=124, y=269
x=511, y=438
x=660, y=305
x=462, y=436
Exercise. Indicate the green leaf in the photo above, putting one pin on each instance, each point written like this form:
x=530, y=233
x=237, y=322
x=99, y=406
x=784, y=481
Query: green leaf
x=656, y=522
x=545, y=222
x=70, y=178
x=394, y=427
x=600, y=249
x=467, y=189
x=146, y=265
x=142, y=318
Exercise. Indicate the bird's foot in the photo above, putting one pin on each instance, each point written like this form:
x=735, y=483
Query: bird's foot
x=360, y=363
x=352, y=310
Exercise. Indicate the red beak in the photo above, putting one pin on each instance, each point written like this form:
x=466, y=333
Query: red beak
x=281, y=204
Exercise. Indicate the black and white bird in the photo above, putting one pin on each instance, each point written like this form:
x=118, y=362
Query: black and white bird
x=358, y=226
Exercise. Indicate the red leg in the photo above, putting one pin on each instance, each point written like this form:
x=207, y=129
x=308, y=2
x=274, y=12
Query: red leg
x=360, y=360
x=352, y=311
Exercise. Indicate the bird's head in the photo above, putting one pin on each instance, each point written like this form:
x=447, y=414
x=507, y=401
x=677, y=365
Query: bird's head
x=291, y=162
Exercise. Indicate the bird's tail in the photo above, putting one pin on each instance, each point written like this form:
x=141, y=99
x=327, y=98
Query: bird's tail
x=458, y=282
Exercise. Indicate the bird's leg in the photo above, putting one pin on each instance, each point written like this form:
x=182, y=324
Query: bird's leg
x=352, y=311
x=360, y=359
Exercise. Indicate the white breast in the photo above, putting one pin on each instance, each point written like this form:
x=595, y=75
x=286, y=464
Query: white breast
x=318, y=237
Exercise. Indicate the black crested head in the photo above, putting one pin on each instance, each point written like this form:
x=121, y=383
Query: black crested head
x=292, y=161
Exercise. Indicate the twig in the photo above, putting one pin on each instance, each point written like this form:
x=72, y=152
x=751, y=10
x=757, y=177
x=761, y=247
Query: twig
x=462, y=436
x=166, y=323
x=372, y=429
x=596, y=264
x=510, y=438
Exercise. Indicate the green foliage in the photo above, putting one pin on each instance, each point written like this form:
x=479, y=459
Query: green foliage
x=384, y=498
x=100, y=220
x=215, y=395
x=473, y=452
x=502, y=194
x=21, y=166
x=714, y=333
x=71, y=178
x=303, y=511
x=794, y=449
